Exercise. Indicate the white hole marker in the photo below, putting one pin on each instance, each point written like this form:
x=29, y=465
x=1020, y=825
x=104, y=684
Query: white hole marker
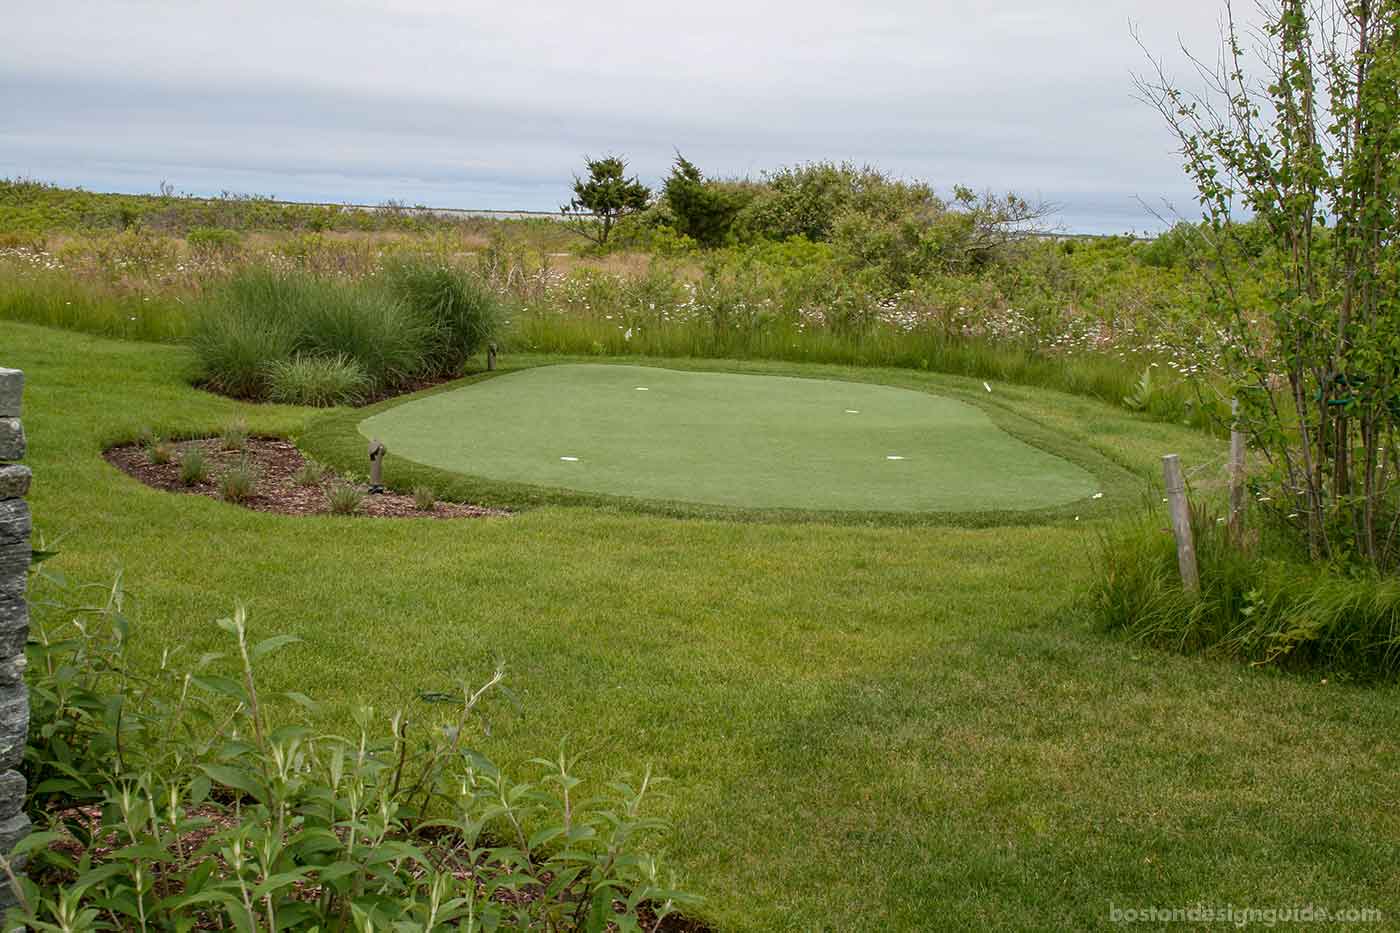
x=569, y=459
x=852, y=411
x=893, y=457
x=643, y=389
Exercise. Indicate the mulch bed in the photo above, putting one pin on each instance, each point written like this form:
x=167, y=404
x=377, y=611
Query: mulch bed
x=276, y=462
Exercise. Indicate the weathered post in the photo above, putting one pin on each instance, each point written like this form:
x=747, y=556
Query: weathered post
x=491, y=356
x=1237, y=499
x=1181, y=522
x=14, y=617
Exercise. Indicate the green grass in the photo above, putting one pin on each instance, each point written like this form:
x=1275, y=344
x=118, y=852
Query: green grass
x=866, y=727
x=730, y=439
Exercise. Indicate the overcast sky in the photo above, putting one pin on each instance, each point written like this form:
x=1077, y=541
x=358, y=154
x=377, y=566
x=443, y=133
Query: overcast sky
x=467, y=104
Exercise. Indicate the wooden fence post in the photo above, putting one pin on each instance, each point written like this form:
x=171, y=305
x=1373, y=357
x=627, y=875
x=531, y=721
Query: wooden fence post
x=1237, y=499
x=1181, y=523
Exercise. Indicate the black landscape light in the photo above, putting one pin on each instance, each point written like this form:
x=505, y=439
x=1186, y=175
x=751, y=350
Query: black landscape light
x=376, y=466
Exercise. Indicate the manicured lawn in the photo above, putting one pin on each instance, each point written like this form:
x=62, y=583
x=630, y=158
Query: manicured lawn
x=730, y=439
x=867, y=727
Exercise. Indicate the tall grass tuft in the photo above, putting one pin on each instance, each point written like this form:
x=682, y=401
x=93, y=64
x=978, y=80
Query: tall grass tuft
x=193, y=470
x=239, y=481
x=1264, y=603
x=316, y=380
x=61, y=300
x=344, y=498
x=261, y=319
x=459, y=311
x=235, y=435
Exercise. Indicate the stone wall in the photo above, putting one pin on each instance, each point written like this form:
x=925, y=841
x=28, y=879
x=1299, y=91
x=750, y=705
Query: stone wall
x=14, y=614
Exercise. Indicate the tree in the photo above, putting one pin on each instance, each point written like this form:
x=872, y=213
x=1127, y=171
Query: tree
x=1312, y=151
x=605, y=197
x=703, y=211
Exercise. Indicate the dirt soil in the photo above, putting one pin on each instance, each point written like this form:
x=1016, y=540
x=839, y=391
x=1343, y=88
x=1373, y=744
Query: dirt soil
x=276, y=463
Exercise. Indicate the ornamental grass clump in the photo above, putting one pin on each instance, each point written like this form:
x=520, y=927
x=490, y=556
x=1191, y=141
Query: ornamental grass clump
x=235, y=435
x=310, y=473
x=311, y=339
x=344, y=498
x=424, y=499
x=319, y=381
x=458, y=311
x=239, y=481
x=193, y=470
x=160, y=452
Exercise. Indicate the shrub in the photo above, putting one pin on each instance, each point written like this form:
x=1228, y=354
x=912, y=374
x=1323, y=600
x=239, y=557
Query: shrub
x=458, y=311
x=160, y=451
x=703, y=210
x=238, y=482
x=424, y=499
x=195, y=799
x=316, y=380
x=235, y=435
x=344, y=498
x=193, y=470
x=214, y=241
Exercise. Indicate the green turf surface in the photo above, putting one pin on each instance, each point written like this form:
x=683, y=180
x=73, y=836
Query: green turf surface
x=895, y=728
x=729, y=439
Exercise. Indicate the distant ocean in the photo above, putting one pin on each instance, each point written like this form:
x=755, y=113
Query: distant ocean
x=1099, y=213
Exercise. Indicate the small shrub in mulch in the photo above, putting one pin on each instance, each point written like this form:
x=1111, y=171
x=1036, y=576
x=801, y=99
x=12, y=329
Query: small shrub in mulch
x=280, y=479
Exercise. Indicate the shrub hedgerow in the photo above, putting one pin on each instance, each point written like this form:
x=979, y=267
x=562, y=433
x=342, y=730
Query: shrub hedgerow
x=212, y=813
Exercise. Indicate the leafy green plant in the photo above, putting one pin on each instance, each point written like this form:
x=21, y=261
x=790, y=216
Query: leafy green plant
x=238, y=482
x=424, y=499
x=316, y=380
x=344, y=498
x=212, y=813
x=1303, y=132
x=160, y=451
x=1141, y=396
x=193, y=470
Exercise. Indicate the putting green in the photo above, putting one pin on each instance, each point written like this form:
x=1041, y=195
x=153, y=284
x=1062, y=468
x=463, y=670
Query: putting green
x=729, y=439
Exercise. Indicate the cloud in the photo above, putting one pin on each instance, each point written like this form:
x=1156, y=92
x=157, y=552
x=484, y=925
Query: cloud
x=493, y=106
